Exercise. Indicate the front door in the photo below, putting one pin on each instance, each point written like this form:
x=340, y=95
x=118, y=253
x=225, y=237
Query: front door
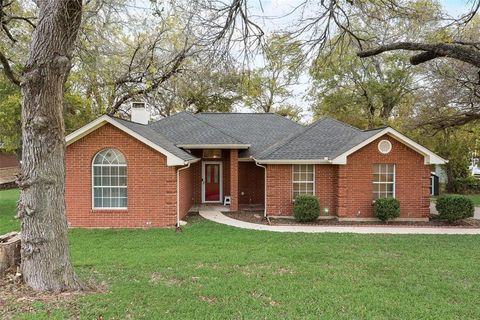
x=212, y=181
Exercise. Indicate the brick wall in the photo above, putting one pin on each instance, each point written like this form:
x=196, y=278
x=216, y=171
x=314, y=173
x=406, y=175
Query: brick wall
x=151, y=184
x=279, y=189
x=8, y=160
x=186, y=190
x=347, y=190
x=251, y=183
x=326, y=187
x=412, y=180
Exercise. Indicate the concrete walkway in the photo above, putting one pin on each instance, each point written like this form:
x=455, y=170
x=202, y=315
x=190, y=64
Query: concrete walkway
x=216, y=216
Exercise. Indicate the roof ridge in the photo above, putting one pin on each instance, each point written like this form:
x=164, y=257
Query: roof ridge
x=118, y=118
x=252, y=113
x=281, y=143
x=216, y=128
x=284, y=141
x=341, y=122
x=173, y=115
x=379, y=128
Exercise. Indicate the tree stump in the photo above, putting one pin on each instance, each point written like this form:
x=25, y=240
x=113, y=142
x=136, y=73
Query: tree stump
x=9, y=252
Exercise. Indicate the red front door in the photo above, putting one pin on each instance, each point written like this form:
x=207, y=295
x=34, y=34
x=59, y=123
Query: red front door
x=212, y=182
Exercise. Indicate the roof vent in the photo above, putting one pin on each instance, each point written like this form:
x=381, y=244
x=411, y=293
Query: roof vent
x=139, y=113
x=384, y=146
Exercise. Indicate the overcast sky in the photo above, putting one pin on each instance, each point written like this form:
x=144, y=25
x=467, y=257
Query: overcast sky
x=271, y=16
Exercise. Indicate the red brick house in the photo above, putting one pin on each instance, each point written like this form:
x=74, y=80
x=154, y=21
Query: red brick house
x=126, y=174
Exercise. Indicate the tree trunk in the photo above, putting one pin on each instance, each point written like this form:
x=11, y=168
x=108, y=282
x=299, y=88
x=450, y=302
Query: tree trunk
x=45, y=255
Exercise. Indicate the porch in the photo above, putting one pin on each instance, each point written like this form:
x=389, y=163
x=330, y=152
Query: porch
x=221, y=174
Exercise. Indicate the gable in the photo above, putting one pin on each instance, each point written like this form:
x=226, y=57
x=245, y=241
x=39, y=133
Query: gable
x=429, y=156
x=175, y=156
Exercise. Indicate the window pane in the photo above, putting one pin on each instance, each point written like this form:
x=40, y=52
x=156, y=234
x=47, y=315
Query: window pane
x=97, y=202
x=123, y=202
x=106, y=202
x=122, y=171
x=105, y=181
x=105, y=171
x=114, y=171
x=114, y=181
x=310, y=176
x=114, y=203
x=296, y=176
x=122, y=181
x=122, y=192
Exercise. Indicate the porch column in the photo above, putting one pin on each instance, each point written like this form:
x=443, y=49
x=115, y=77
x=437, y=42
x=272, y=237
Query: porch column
x=234, y=179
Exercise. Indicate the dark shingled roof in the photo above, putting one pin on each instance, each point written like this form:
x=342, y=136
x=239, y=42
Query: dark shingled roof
x=148, y=133
x=326, y=138
x=261, y=130
x=186, y=128
x=270, y=136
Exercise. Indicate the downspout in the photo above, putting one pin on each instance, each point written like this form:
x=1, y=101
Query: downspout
x=178, y=192
x=265, y=195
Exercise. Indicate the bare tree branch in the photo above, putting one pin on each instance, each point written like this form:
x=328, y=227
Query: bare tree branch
x=8, y=70
x=459, y=52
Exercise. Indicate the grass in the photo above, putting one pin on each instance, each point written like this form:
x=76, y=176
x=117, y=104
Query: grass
x=212, y=271
x=8, y=204
x=475, y=198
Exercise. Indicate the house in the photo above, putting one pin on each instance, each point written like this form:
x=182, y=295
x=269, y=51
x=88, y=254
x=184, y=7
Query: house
x=9, y=168
x=122, y=173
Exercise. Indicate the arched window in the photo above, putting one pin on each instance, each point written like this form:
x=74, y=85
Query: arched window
x=109, y=180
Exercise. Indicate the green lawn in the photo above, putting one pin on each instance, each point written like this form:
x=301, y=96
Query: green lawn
x=213, y=271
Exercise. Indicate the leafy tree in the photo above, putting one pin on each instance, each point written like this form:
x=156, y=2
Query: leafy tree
x=10, y=118
x=365, y=93
x=268, y=88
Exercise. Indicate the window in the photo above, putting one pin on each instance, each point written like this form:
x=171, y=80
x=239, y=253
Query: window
x=303, y=179
x=109, y=180
x=383, y=181
x=212, y=153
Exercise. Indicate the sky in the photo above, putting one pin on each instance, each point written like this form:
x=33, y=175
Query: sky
x=272, y=16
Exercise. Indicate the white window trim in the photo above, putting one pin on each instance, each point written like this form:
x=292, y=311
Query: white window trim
x=293, y=181
x=394, y=179
x=221, y=181
x=93, y=185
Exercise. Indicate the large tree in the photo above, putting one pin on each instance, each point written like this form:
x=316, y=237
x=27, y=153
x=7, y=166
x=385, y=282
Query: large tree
x=268, y=87
x=46, y=262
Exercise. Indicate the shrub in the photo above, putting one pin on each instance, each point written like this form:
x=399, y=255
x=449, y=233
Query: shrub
x=386, y=209
x=454, y=207
x=466, y=185
x=306, y=208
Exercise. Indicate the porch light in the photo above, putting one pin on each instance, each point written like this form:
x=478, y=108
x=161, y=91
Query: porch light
x=326, y=211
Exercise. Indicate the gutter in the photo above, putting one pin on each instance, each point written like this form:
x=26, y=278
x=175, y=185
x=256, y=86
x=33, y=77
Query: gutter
x=265, y=182
x=178, y=190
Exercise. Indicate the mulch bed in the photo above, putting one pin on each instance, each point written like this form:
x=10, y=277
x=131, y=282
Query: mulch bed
x=257, y=217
